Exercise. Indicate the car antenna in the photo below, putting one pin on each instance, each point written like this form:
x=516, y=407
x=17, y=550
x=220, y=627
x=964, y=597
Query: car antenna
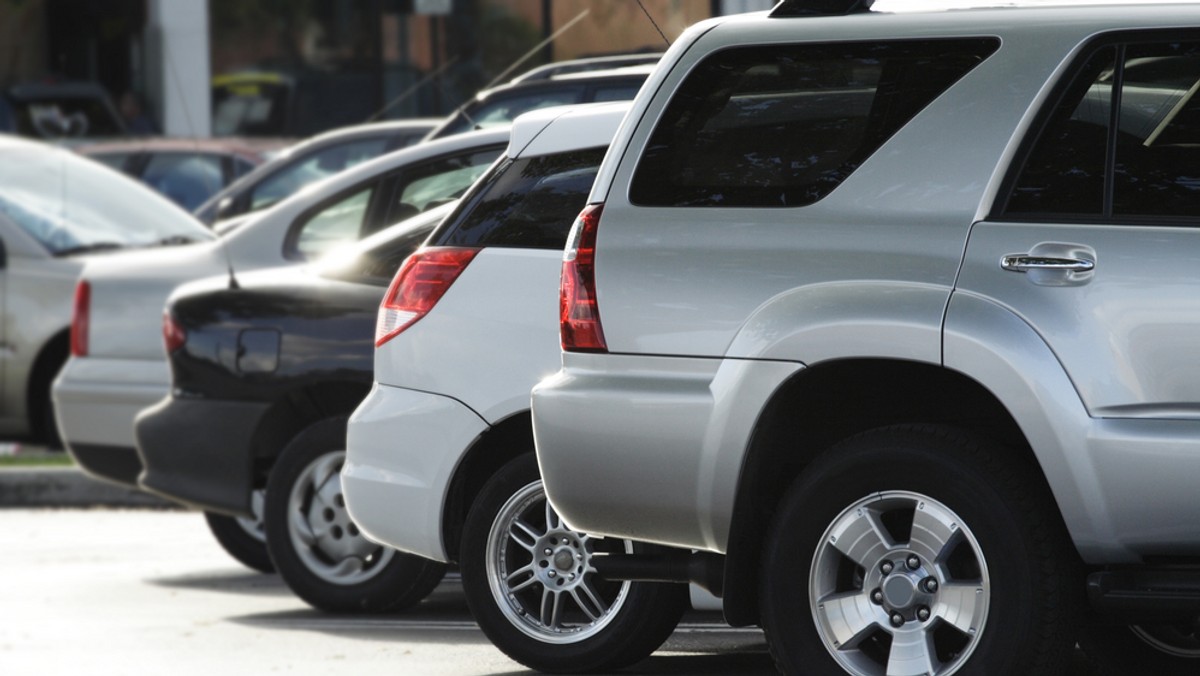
x=412, y=89
x=537, y=48
x=653, y=22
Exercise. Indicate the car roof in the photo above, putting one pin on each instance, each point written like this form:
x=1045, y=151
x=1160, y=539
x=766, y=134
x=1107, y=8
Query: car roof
x=231, y=145
x=606, y=62
x=563, y=128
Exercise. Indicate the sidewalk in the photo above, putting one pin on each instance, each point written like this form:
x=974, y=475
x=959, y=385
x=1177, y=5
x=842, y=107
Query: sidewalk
x=65, y=486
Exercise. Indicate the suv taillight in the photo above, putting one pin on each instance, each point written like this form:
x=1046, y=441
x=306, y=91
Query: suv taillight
x=174, y=335
x=417, y=287
x=79, y=318
x=578, y=313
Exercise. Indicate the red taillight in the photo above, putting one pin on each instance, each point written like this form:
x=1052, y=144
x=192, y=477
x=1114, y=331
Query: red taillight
x=174, y=335
x=79, y=318
x=417, y=287
x=578, y=313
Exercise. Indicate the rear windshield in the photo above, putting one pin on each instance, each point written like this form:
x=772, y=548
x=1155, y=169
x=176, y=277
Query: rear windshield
x=527, y=203
x=783, y=125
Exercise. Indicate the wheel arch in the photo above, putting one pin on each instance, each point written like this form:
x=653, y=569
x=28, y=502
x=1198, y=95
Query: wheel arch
x=844, y=397
x=49, y=361
x=499, y=444
x=296, y=409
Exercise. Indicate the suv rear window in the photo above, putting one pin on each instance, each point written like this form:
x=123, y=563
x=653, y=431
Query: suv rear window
x=528, y=203
x=783, y=125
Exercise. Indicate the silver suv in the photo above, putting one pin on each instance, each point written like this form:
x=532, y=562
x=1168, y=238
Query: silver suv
x=893, y=319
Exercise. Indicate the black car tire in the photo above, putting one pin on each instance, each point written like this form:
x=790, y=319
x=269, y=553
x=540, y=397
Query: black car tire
x=239, y=543
x=850, y=518
x=317, y=550
x=639, y=615
x=1164, y=650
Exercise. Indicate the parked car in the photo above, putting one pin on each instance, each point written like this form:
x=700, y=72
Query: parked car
x=500, y=105
x=310, y=161
x=58, y=212
x=896, y=313
x=465, y=330
x=259, y=370
x=121, y=368
x=187, y=171
x=588, y=64
x=56, y=111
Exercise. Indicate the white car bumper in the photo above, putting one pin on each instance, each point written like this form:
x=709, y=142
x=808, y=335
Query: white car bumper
x=96, y=400
x=401, y=451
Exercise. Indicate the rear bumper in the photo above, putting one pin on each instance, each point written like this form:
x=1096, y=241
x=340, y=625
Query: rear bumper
x=402, y=448
x=199, y=452
x=95, y=402
x=650, y=448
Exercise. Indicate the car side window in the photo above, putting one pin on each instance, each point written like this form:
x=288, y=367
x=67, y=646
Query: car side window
x=338, y=222
x=527, y=203
x=783, y=125
x=424, y=187
x=502, y=110
x=313, y=167
x=1123, y=141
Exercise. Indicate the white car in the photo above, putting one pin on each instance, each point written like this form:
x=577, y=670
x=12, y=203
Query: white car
x=57, y=212
x=444, y=438
x=118, y=364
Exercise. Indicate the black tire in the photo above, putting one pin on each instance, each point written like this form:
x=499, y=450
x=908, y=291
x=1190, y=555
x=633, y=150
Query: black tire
x=240, y=543
x=1163, y=650
x=303, y=491
x=981, y=510
x=634, y=629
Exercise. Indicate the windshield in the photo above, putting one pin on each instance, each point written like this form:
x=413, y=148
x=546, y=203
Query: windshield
x=70, y=204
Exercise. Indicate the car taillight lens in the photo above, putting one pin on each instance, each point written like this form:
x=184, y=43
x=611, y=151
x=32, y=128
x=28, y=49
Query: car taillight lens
x=421, y=282
x=578, y=313
x=79, y=318
x=174, y=335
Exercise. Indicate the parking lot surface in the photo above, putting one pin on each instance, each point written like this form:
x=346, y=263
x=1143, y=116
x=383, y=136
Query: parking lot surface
x=132, y=592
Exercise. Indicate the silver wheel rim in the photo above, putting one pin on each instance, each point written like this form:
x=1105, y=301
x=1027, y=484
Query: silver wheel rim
x=1178, y=640
x=322, y=534
x=253, y=525
x=898, y=599
x=541, y=576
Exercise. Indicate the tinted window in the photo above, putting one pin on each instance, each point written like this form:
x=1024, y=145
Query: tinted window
x=1147, y=166
x=316, y=166
x=785, y=125
x=528, y=203
x=187, y=178
x=499, y=110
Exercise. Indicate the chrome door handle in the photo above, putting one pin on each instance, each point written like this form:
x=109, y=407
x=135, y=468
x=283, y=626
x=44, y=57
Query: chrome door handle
x=1026, y=262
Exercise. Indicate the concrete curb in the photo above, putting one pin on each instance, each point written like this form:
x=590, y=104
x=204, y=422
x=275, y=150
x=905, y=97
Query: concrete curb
x=68, y=487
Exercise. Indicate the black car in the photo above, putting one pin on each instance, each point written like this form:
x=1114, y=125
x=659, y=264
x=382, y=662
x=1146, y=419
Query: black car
x=265, y=364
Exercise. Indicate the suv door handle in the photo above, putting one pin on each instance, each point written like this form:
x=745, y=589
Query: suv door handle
x=1026, y=262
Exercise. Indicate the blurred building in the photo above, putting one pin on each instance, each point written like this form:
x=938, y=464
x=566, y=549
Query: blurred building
x=296, y=67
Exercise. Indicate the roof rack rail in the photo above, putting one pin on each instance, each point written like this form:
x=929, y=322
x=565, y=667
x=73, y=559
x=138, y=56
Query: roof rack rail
x=789, y=8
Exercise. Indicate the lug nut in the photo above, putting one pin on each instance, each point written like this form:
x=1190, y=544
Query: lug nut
x=877, y=597
x=913, y=562
x=931, y=585
x=886, y=567
x=552, y=574
x=547, y=551
x=922, y=613
x=897, y=620
x=566, y=541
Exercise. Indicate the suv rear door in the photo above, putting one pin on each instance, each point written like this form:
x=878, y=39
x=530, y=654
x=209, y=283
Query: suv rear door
x=1096, y=240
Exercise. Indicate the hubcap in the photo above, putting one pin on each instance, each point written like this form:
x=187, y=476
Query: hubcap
x=540, y=572
x=254, y=525
x=322, y=534
x=899, y=586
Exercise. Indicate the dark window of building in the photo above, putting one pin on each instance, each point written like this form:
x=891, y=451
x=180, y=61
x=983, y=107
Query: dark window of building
x=784, y=125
